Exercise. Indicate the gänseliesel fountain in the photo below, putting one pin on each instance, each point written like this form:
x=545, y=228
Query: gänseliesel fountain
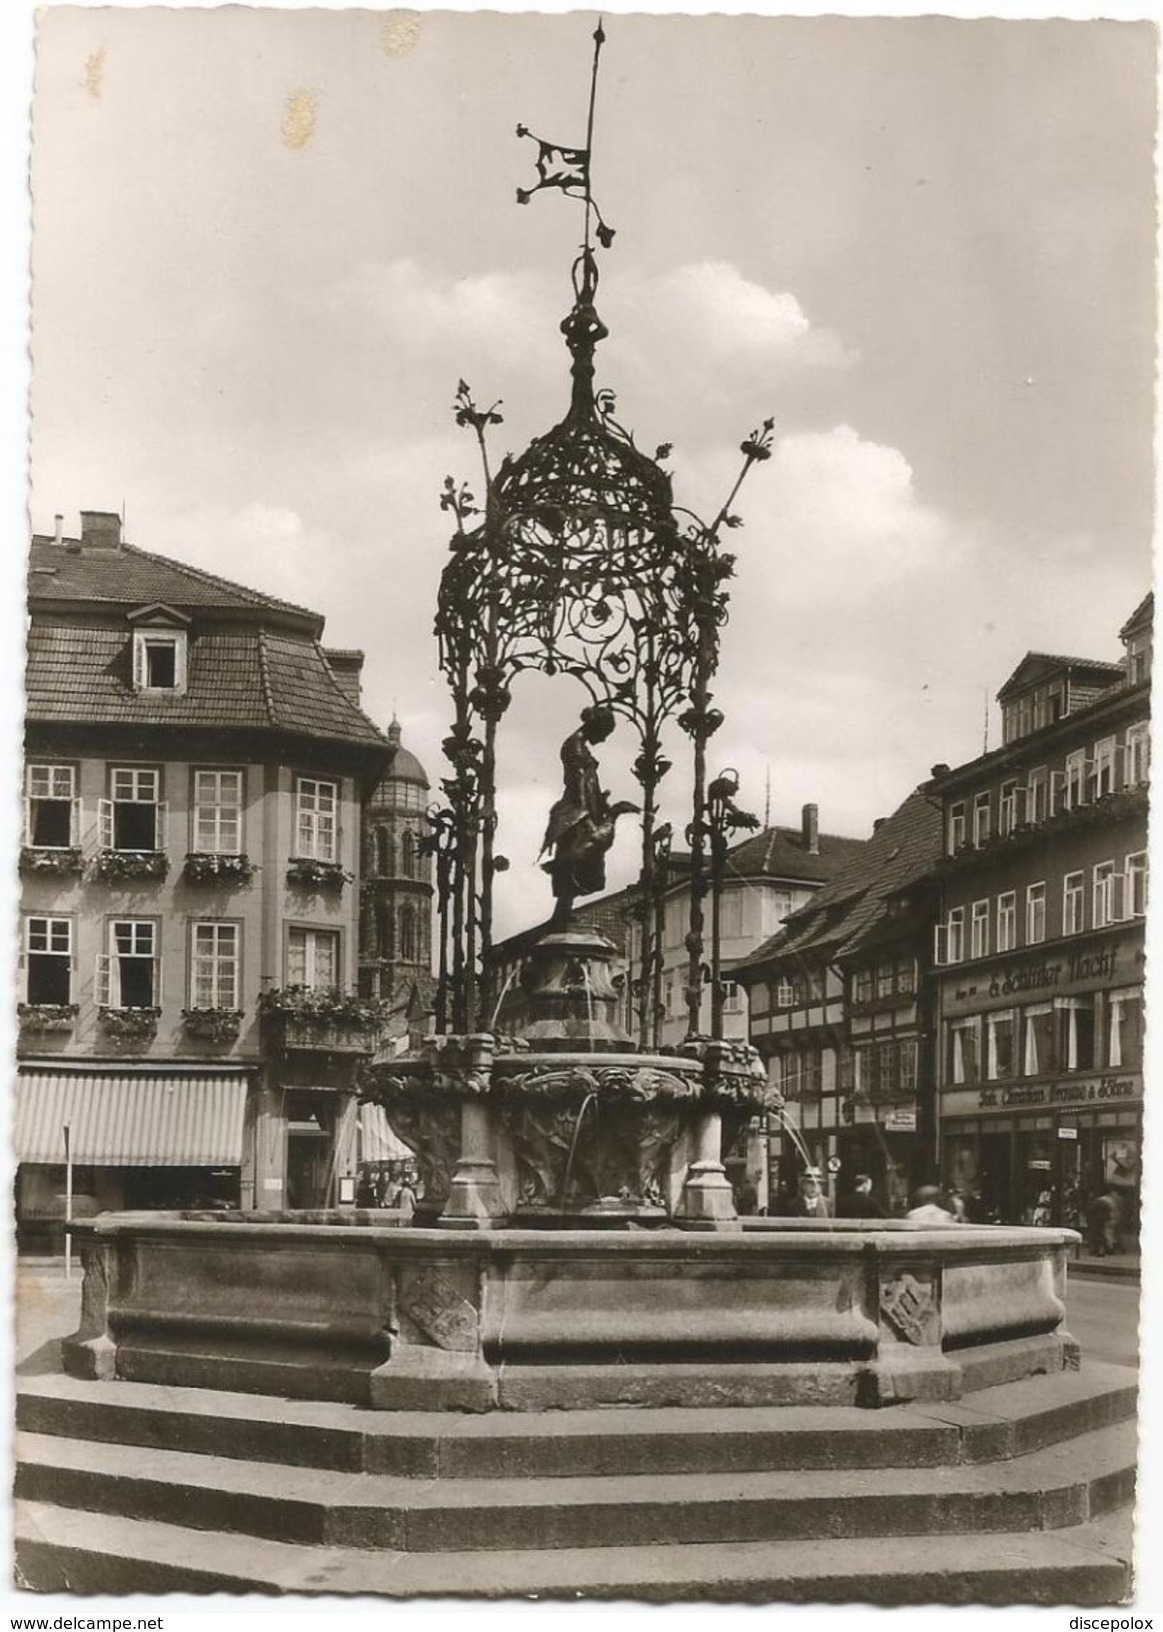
x=581, y=1245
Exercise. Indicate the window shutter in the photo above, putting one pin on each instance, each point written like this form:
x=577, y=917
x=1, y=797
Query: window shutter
x=1021, y=806
x=138, y=661
x=159, y=832
x=1118, y=898
x=157, y=980
x=103, y=981
x=105, y=823
x=1057, y=791
x=27, y=821
x=940, y=944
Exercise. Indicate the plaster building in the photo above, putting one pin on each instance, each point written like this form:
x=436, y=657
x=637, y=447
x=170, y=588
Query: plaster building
x=195, y=761
x=1040, y=947
x=841, y=1010
x=395, y=958
x=769, y=875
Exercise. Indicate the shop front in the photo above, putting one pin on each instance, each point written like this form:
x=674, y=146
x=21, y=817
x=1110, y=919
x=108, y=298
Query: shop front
x=1043, y=1154
x=882, y=1141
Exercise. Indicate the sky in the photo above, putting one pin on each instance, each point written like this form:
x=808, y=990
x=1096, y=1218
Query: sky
x=266, y=245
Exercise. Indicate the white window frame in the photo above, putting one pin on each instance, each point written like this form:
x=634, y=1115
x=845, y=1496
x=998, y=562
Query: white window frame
x=1115, y=1001
x=956, y=833
x=1073, y=903
x=993, y=1021
x=1037, y=795
x=215, y=963
x=132, y=785
x=313, y=936
x=107, y=985
x=1035, y=905
x=1031, y=1065
x=1104, y=767
x=958, y=1030
x=53, y=779
x=1075, y=779
x=59, y=942
x=1138, y=867
x=1007, y=807
x=1137, y=754
x=979, y=930
x=316, y=823
x=1070, y=1008
x=1109, y=896
x=214, y=810
x=156, y=637
x=784, y=994
x=1007, y=921
x=982, y=818
x=956, y=935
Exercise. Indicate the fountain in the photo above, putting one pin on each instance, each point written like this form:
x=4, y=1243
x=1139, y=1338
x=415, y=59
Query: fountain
x=581, y=1244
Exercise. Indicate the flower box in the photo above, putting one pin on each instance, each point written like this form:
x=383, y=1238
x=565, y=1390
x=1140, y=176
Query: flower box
x=208, y=867
x=322, y=1019
x=113, y=866
x=317, y=875
x=213, y=1025
x=44, y=1018
x=130, y=1025
x=34, y=858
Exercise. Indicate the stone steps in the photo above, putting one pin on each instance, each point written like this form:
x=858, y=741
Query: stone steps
x=1019, y=1494
x=1056, y=1486
x=1082, y=1566
x=994, y=1423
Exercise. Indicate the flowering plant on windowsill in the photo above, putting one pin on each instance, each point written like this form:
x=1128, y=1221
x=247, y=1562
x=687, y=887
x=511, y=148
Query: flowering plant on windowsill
x=45, y=1017
x=130, y=1025
x=113, y=865
x=213, y=1025
x=211, y=867
x=36, y=858
x=323, y=1006
x=326, y=875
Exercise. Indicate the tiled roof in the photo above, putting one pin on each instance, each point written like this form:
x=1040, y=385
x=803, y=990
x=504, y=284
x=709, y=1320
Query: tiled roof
x=1038, y=663
x=851, y=909
x=235, y=677
x=779, y=852
x=1141, y=617
x=127, y=576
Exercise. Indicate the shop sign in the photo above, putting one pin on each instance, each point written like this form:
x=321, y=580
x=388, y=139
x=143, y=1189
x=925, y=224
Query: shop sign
x=1090, y=1091
x=1067, y=1133
x=900, y=1121
x=1025, y=975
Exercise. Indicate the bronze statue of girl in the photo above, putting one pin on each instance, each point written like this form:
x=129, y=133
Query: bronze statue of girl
x=581, y=823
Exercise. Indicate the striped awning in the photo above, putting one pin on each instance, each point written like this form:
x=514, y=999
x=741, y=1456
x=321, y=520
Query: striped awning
x=119, y=1118
x=377, y=1142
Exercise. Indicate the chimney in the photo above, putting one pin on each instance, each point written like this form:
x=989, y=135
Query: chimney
x=812, y=829
x=939, y=770
x=100, y=530
x=59, y=532
x=879, y=823
x=346, y=667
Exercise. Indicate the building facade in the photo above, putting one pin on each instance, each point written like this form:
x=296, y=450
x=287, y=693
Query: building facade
x=1040, y=946
x=840, y=1010
x=194, y=771
x=395, y=960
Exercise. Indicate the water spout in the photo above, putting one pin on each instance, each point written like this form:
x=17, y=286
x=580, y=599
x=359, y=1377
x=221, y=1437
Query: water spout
x=590, y=1099
x=508, y=981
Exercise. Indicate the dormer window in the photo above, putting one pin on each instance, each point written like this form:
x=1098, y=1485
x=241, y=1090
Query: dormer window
x=159, y=650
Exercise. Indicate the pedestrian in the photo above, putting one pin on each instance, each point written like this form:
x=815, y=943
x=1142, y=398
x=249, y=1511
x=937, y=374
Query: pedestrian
x=811, y=1201
x=859, y=1202
x=405, y=1198
x=1102, y=1218
x=927, y=1208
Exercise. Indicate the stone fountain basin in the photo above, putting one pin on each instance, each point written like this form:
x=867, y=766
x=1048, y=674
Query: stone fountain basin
x=398, y=1318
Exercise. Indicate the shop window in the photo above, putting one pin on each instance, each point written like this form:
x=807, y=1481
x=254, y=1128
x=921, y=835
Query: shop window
x=129, y=975
x=979, y=930
x=218, y=812
x=214, y=966
x=1035, y=914
x=48, y=948
x=134, y=817
x=1077, y=1033
x=1001, y=1045
x=1007, y=921
x=1125, y=1029
x=50, y=806
x=1038, y=1040
x=316, y=819
x=313, y=958
x=1073, y=904
x=965, y=1051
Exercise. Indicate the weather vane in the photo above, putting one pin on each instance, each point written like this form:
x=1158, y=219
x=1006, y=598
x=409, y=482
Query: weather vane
x=568, y=168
